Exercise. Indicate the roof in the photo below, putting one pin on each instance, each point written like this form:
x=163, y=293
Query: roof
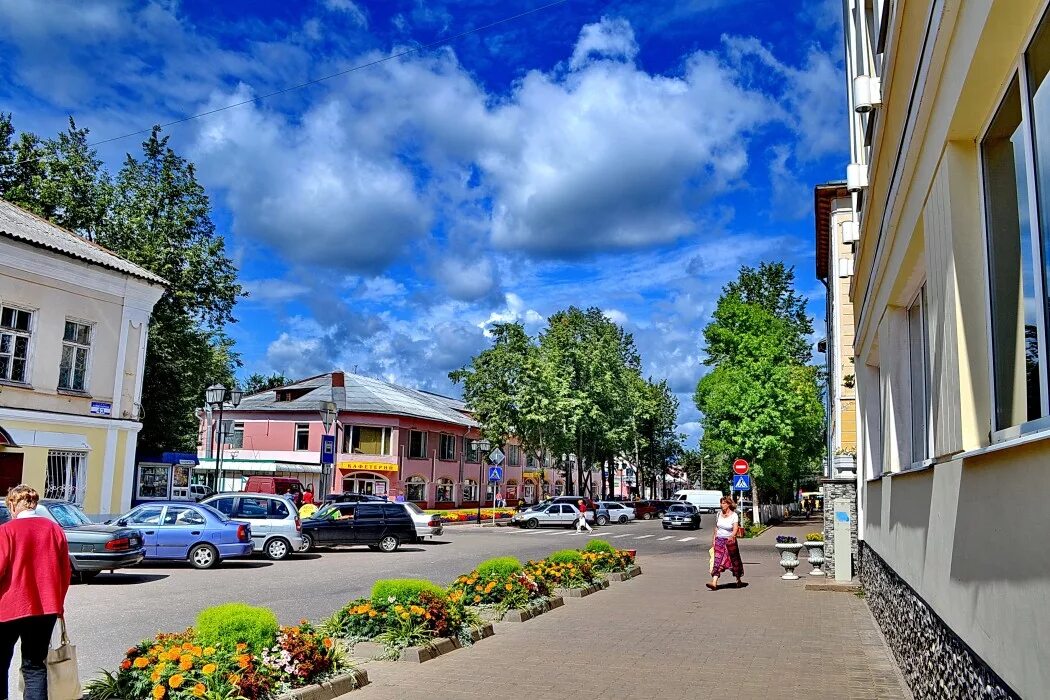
x=823, y=196
x=360, y=394
x=24, y=226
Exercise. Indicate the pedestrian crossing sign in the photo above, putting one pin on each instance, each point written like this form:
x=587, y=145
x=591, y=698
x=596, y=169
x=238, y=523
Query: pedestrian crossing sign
x=495, y=474
x=742, y=482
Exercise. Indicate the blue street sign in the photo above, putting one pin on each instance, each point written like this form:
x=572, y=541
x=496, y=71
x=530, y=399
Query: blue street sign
x=495, y=473
x=328, y=449
x=742, y=482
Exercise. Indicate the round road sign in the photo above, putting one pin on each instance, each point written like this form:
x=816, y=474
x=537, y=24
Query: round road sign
x=741, y=467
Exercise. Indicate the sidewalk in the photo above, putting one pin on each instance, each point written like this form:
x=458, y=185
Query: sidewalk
x=665, y=634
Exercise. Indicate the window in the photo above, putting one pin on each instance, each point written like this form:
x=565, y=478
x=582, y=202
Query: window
x=369, y=511
x=146, y=515
x=66, y=476
x=278, y=509
x=530, y=462
x=256, y=507
x=302, y=436
x=76, y=344
x=68, y=516
x=470, y=454
x=154, y=480
x=513, y=455
x=236, y=436
x=223, y=505
x=448, y=447
x=470, y=490
x=529, y=491
x=417, y=445
x=559, y=488
x=367, y=440
x=15, y=329
x=416, y=489
x=919, y=380
x=183, y=515
x=445, y=490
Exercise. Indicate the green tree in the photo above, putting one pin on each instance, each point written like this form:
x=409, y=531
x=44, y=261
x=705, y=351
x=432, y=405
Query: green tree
x=256, y=383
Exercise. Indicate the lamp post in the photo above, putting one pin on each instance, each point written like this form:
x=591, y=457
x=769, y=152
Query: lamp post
x=217, y=395
x=328, y=411
x=481, y=447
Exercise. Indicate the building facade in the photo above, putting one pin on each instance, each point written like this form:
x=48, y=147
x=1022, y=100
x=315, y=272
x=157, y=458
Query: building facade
x=390, y=441
x=949, y=107
x=73, y=327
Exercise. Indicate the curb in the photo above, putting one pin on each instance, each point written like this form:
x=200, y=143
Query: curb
x=330, y=689
x=621, y=576
x=526, y=614
x=373, y=651
x=580, y=592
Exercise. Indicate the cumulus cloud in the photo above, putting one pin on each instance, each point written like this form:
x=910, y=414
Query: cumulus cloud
x=352, y=9
x=609, y=38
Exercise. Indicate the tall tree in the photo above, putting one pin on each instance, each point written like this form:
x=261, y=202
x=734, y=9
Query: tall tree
x=256, y=383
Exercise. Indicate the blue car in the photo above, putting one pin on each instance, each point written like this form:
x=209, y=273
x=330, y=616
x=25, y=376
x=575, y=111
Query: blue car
x=184, y=531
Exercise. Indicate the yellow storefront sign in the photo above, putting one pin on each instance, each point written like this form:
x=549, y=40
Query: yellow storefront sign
x=369, y=466
x=531, y=475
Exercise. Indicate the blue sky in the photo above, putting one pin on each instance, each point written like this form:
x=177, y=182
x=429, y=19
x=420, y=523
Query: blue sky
x=626, y=154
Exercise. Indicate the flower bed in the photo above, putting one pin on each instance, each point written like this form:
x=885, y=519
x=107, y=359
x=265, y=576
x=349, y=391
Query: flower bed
x=213, y=662
x=466, y=515
x=499, y=585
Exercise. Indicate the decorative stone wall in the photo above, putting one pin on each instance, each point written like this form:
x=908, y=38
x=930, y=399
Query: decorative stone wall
x=838, y=488
x=935, y=662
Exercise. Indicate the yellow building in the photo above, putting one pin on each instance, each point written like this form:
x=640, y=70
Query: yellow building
x=73, y=329
x=950, y=183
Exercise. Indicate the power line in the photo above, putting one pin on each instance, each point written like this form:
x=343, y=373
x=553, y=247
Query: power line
x=315, y=81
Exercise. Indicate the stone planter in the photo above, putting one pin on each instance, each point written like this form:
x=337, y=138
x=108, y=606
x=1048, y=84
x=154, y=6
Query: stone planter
x=816, y=557
x=789, y=559
x=618, y=576
x=521, y=614
x=580, y=592
x=844, y=466
x=416, y=655
x=330, y=689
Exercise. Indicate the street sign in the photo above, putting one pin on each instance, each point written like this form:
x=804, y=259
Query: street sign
x=496, y=456
x=742, y=482
x=495, y=473
x=328, y=449
x=741, y=467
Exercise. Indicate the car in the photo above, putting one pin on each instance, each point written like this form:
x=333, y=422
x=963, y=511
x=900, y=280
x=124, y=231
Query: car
x=277, y=485
x=618, y=512
x=276, y=527
x=557, y=514
x=349, y=497
x=199, y=492
x=705, y=501
x=662, y=505
x=682, y=515
x=93, y=548
x=427, y=524
x=380, y=526
x=647, y=510
x=177, y=530
x=601, y=516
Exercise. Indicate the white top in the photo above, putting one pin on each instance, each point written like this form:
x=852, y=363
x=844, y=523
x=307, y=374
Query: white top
x=725, y=524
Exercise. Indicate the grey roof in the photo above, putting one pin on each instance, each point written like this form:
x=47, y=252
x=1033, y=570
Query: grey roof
x=21, y=225
x=363, y=395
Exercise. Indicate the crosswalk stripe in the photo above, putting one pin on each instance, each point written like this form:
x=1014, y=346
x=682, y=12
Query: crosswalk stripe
x=595, y=534
x=669, y=537
x=644, y=537
x=686, y=539
x=619, y=536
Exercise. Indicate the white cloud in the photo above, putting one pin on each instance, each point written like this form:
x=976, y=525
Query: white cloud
x=609, y=38
x=792, y=198
x=350, y=8
x=616, y=316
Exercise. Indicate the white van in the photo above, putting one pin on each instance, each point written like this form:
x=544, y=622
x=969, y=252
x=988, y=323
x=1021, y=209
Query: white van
x=705, y=501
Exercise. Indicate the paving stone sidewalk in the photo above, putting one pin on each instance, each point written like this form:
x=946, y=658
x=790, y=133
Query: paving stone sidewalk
x=665, y=634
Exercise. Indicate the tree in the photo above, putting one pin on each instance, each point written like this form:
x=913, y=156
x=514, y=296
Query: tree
x=257, y=383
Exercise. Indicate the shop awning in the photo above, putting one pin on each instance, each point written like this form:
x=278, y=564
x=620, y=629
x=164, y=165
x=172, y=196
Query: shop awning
x=5, y=439
x=261, y=466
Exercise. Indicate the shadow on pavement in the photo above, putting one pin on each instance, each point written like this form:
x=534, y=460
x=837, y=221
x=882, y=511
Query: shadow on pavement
x=124, y=579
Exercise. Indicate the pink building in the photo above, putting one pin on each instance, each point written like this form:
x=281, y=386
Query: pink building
x=391, y=441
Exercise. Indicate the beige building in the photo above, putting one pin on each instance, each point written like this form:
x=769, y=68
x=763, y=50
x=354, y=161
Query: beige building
x=950, y=180
x=73, y=328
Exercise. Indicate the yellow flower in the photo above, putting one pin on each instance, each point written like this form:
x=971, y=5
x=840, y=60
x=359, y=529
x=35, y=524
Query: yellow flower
x=241, y=647
x=405, y=616
x=233, y=678
x=416, y=610
x=477, y=599
x=509, y=587
x=155, y=676
x=208, y=669
x=177, y=680
x=186, y=663
x=186, y=646
x=208, y=651
x=140, y=662
x=371, y=613
x=199, y=690
x=159, y=691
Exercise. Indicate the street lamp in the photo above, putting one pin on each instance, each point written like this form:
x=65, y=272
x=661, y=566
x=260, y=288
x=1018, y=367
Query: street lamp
x=217, y=395
x=482, y=447
x=329, y=411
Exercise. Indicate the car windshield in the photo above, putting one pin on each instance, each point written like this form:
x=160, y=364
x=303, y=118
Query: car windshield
x=67, y=515
x=679, y=509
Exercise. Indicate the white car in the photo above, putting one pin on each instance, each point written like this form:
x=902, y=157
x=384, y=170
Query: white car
x=427, y=524
x=276, y=528
x=619, y=512
x=559, y=514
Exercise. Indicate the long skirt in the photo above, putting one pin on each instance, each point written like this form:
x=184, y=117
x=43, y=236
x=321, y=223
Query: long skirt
x=727, y=557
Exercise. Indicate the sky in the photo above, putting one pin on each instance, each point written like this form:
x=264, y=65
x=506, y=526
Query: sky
x=625, y=154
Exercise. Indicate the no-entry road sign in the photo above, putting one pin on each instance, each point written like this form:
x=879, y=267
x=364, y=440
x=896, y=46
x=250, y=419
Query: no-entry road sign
x=741, y=467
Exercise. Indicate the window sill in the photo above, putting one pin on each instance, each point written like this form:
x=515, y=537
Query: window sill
x=73, y=392
x=1007, y=444
x=16, y=385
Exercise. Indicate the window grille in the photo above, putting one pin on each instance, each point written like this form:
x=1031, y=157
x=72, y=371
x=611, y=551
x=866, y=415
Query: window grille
x=66, y=476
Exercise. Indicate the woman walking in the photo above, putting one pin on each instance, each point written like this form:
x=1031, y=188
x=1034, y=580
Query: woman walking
x=727, y=554
x=34, y=578
x=581, y=522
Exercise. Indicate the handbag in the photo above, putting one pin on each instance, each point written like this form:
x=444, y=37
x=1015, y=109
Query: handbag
x=738, y=531
x=63, y=678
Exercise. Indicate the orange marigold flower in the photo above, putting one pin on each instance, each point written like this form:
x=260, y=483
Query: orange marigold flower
x=244, y=660
x=155, y=676
x=509, y=587
x=177, y=680
x=208, y=669
x=159, y=691
x=242, y=646
x=185, y=664
x=372, y=613
x=233, y=678
x=141, y=662
x=186, y=646
x=477, y=599
x=327, y=642
x=199, y=690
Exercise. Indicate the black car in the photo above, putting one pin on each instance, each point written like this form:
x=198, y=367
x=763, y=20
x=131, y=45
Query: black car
x=682, y=515
x=380, y=526
x=348, y=497
x=92, y=548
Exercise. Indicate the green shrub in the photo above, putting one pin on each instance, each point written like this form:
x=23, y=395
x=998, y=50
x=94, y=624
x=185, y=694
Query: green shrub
x=234, y=623
x=566, y=556
x=499, y=566
x=403, y=590
x=599, y=546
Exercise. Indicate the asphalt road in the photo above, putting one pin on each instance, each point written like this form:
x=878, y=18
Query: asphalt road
x=118, y=610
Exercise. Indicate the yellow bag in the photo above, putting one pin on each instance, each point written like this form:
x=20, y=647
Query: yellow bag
x=711, y=565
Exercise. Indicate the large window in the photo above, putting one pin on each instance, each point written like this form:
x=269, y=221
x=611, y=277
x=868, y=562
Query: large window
x=66, y=476
x=416, y=489
x=16, y=326
x=919, y=380
x=363, y=439
x=513, y=455
x=469, y=453
x=417, y=445
x=447, y=447
x=236, y=437
x=76, y=345
x=470, y=490
x=302, y=436
x=445, y=490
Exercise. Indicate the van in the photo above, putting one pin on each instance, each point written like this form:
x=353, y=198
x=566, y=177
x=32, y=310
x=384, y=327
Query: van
x=705, y=501
x=277, y=485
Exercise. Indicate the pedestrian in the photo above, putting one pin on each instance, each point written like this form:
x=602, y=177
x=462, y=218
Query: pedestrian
x=308, y=495
x=34, y=578
x=723, y=540
x=582, y=523
x=500, y=503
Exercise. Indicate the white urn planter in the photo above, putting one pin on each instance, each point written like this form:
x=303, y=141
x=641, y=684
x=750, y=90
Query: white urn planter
x=844, y=466
x=816, y=557
x=789, y=559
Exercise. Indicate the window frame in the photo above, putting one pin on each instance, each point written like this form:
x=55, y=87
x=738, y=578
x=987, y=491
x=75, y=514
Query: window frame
x=919, y=302
x=470, y=490
x=415, y=482
x=412, y=454
x=28, y=371
x=77, y=346
x=447, y=440
x=445, y=490
x=299, y=430
x=73, y=468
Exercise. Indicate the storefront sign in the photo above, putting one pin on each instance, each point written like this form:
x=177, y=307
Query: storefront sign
x=531, y=475
x=101, y=408
x=369, y=466
x=380, y=488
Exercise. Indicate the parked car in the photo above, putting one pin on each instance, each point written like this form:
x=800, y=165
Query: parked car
x=618, y=512
x=427, y=524
x=601, y=516
x=276, y=527
x=647, y=510
x=93, y=548
x=545, y=514
x=682, y=515
x=198, y=492
x=277, y=485
x=348, y=497
x=662, y=505
x=380, y=526
x=197, y=533
x=705, y=501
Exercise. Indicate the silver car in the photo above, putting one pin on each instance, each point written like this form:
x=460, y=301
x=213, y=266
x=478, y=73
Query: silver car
x=561, y=514
x=427, y=524
x=276, y=528
x=619, y=512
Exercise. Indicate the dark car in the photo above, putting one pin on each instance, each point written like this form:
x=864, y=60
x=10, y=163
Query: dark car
x=647, y=510
x=682, y=515
x=348, y=497
x=92, y=548
x=380, y=526
x=662, y=505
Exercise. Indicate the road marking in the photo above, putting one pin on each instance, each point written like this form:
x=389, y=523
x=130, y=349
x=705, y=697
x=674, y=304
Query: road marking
x=669, y=537
x=595, y=534
x=644, y=537
x=686, y=539
x=619, y=536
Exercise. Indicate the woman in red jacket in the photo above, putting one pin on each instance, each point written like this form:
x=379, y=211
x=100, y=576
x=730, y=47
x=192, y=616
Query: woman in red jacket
x=34, y=578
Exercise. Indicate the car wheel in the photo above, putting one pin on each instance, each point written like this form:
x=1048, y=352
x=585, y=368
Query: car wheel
x=647, y=516
x=623, y=519
x=204, y=556
x=84, y=576
x=532, y=523
x=388, y=544
x=666, y=527
x=278, y=548
x=308, y=543
x=602, y=520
